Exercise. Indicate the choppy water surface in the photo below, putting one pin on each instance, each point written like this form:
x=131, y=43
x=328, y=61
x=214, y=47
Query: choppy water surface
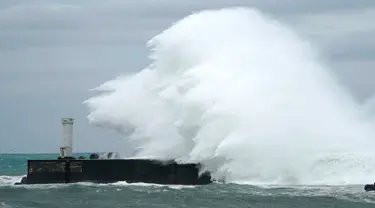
x=150, y=195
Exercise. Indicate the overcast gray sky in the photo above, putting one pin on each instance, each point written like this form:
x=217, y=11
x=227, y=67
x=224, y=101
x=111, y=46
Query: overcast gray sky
x=53, y=51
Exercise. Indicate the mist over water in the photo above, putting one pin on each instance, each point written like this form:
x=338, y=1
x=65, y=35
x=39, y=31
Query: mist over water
x=246, y=96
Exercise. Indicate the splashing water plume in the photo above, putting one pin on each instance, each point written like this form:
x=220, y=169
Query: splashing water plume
x=244, y=95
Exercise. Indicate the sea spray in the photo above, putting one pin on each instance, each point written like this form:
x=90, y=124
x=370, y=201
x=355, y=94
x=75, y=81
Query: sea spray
x=243, y=94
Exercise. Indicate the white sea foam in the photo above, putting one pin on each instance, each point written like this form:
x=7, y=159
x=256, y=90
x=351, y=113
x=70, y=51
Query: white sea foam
x=9, y=180
x=246, y=96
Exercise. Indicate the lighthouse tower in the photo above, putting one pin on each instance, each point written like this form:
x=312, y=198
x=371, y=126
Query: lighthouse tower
x=66, y=149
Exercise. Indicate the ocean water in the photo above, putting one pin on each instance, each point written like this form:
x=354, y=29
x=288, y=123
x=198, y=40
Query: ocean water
x=121, y=194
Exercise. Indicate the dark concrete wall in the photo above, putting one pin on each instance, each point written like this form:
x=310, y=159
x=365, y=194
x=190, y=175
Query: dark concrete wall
x=107, y=171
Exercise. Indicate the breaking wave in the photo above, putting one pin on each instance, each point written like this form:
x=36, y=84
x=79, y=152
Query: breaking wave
x=246, y=96
x=9, y=180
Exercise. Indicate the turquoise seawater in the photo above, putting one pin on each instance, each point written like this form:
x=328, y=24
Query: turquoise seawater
x=121, y=194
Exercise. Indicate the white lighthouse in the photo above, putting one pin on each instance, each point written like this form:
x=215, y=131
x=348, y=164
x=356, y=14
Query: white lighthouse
x=66, y=148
